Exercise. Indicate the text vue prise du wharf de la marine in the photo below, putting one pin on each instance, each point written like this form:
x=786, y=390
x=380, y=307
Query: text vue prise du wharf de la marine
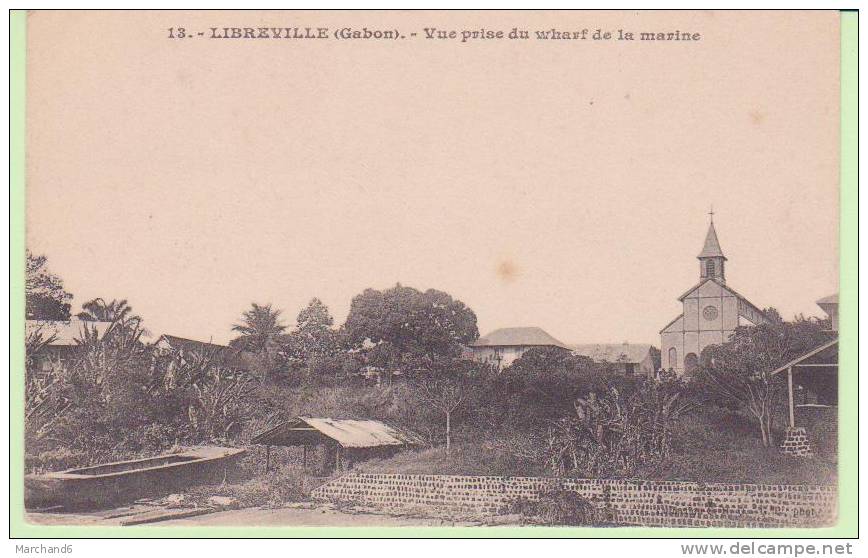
x=434, y=34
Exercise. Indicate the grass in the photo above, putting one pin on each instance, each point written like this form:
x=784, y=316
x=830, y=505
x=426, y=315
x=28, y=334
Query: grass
x=463, y=459
x=251, y=486
x=275, y=488
x=713, y=445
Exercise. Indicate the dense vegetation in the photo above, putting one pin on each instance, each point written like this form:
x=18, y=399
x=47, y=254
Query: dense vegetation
x=397, y=358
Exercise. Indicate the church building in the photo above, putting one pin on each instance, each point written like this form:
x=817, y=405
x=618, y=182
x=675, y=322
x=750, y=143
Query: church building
x=711, y=310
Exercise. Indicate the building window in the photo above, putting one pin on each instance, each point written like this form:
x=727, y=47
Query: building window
x=691, y=363
x=673, y=357
x=709, y=268
x=710, y=313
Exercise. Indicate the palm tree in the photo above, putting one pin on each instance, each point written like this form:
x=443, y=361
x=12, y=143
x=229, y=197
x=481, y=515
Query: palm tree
x=118, y=312
x=259, y=328
x=98, y=310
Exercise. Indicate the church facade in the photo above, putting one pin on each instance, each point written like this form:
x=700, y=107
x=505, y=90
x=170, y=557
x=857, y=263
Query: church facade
x=711, y=310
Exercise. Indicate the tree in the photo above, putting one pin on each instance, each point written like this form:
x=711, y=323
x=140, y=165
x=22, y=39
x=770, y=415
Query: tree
x=262, y=335
x=116, y=311
x=420, y=327
x=449, y=389
x=739, y=370
x=260, y=328
x=45, y=297
x=314, y=337
x=544, y=383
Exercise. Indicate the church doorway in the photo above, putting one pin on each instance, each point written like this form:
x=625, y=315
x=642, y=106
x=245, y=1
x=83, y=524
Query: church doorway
x=691, y=363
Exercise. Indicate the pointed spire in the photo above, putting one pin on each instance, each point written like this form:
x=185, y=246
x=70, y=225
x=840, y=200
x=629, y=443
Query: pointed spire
x=711, y=248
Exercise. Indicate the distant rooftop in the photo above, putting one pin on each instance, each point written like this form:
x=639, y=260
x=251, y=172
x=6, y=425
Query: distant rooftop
x=518, y=336
x=64, y=333
x=613, y=352
x=191, y=344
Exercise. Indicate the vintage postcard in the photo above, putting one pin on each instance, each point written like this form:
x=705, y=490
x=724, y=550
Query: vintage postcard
x=488, y=270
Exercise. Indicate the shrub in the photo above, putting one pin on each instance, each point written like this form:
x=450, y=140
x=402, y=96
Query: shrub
x=274, y=489
x=559, y=507
x=612, y=435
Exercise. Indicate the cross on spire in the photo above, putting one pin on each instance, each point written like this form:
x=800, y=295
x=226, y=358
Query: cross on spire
x=711, y=213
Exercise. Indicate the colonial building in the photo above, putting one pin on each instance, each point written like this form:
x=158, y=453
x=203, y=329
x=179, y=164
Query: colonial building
x=711, y=310
x=230, y=357
x=61, y=339
x=627, y=358
x=829, y=305
x=503, y=346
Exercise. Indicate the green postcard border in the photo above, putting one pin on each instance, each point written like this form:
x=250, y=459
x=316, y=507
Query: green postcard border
x=848, y=401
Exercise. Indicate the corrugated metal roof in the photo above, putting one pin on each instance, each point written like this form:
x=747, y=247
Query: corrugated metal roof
x=65, y=333
x=614, y=352
x=349, y=433
x=518, y=336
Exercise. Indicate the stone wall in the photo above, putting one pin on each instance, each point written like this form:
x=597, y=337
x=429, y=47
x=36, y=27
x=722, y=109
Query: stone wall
x=623, y=502
x=796, y=442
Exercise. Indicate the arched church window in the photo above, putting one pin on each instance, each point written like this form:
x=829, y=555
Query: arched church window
x=709, y=268
x=673, y=357
x=691, y=363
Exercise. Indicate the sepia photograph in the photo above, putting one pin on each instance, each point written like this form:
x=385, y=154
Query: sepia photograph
x=434, y=269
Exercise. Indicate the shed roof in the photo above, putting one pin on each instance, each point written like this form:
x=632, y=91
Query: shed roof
x=614, y=352
x=518, y=336
x=349, y=433
x=67, y=333
x=823, y=355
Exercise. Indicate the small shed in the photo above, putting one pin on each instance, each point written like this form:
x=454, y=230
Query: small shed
x=803, y=371
x=812, y=386
x=343, y=441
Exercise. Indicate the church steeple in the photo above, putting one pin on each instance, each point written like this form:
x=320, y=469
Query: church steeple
x=711, y=258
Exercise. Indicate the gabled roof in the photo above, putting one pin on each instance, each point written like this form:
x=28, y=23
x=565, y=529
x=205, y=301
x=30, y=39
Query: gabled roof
x=518, y=336
x=349, y=433
x=229, y=356
x=179, y=343
x=667, y=326
x=831, y=299
x=614, y=352
x=711, y=248
x=723, y=285
x=64, y=333
x=814, y=352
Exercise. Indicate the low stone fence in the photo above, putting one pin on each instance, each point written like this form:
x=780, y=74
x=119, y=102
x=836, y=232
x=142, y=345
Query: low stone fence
x=623, y=502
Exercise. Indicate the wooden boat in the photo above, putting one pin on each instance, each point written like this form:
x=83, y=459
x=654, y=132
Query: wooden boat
x=125, y=481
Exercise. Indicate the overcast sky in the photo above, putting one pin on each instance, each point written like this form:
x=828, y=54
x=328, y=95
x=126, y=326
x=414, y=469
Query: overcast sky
x=564, y=185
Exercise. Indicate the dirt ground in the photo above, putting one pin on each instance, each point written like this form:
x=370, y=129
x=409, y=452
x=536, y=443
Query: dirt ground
x=300, y=515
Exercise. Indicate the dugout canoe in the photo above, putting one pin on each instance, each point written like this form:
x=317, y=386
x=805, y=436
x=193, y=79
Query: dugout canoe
x=111, y=484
